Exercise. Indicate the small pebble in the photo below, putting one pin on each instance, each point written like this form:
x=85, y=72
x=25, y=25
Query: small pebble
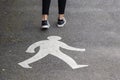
x=5, y=13
x=10, y=51
x=3, y=69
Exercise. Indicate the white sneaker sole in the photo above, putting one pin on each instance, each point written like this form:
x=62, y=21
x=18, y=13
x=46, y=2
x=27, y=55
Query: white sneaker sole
x=45, y=27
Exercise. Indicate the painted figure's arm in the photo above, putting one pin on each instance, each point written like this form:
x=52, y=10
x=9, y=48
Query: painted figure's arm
x=71, y=48
x=31, y=48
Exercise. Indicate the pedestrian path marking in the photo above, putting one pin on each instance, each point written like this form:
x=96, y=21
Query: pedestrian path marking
x=51, y=46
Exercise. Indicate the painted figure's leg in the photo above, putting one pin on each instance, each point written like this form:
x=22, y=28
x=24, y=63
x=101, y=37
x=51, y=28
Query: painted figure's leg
x=69, y=60
x=33, y=59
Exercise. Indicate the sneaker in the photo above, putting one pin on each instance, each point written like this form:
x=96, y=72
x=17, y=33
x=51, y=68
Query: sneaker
x=45, y=24
x=61, y=22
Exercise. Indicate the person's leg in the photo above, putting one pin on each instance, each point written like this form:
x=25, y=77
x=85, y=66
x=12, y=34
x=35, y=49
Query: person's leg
x=61, y=11
x=61, y=8
x=45, y=12
x=45, y=9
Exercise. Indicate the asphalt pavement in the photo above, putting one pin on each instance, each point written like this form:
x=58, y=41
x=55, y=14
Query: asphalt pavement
x=91, y=24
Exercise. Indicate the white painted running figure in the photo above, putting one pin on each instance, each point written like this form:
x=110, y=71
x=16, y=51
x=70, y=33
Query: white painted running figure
x=51, y=46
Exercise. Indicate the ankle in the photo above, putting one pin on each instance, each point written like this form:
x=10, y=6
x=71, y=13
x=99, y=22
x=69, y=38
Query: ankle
x=44, y=17
x=61, y=16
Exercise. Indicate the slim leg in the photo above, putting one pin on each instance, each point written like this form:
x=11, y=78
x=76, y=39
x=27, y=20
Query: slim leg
x=61, y=6
x=66, y=59
x=33, y=59
x=45, y=6
x=69, y=60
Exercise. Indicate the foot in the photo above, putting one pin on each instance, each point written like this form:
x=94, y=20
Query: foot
x=24, y=65
x=45, y=24
x=79, y=66
x=61, y=22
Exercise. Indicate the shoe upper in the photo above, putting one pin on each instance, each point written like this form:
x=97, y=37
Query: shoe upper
x=45, y=22
x=61, y=22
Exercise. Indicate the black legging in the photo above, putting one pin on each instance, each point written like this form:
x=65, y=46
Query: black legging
x=46, y=5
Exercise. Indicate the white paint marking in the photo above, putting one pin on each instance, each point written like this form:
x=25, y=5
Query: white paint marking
x=51, y=46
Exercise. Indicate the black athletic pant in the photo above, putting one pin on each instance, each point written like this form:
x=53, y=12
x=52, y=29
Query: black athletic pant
x=46, y=5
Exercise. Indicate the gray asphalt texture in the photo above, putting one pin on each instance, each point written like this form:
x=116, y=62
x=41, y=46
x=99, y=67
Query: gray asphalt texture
x=91, y=24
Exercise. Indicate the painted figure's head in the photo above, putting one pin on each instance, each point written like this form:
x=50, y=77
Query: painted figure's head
x=56, y=38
